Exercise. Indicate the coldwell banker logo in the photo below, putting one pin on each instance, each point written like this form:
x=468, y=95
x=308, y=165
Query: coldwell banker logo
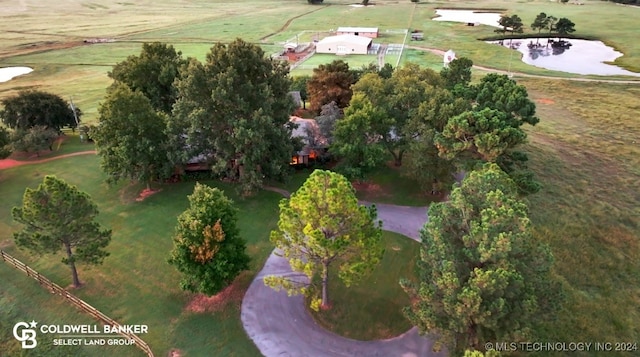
x=26, y=334
x=77, y=335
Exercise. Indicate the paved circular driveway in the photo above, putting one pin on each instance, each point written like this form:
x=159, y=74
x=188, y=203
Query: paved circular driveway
x=280, y=325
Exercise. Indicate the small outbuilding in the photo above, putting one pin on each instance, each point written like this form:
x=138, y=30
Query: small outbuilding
x=448, y=57
x=344, y=45
x=371, y=32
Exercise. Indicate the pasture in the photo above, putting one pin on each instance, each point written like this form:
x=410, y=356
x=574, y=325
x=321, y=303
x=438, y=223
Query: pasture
x=585, y=151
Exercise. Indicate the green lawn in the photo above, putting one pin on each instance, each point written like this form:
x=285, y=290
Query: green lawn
x=354, y=61
x=65, y=65
x=389, y=185
x=66, y=144
x=606, y=21
x=372, y=309
x=23, y=299
x=385, y=185
x=585, y=152
x=136, y=285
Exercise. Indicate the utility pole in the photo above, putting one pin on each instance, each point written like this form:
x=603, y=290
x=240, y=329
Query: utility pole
x=73, y=109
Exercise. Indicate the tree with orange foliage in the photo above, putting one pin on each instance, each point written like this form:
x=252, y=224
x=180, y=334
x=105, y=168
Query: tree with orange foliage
x=208, y=248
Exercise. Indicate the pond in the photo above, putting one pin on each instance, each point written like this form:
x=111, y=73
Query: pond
x=8, y=73
x=572, y=56
x=469, y=17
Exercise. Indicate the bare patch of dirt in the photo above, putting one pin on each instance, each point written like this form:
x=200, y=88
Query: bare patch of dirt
x=231, y=295
x=9, y=163
x=370, y=189
x=545, y=101
x=146, y=193
x=38, y=47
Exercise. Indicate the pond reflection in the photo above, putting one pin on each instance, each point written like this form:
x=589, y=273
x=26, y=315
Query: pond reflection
x=570, y=56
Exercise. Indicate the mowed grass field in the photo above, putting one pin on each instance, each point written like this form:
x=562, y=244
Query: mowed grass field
x=49, y=37
x=585, y=151
x=135, y=285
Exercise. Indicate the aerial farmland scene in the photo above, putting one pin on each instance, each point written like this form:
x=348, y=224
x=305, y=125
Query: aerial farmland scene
x=392, y=178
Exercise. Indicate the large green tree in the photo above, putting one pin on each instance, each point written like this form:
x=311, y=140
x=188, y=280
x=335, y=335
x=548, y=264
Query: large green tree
x=498, y=91
x=457, y=73
x=34, y=139
x=153, y=73
x=540, y=22
x=484, y=135
x=505, y=22
x=30, y=108
x=398, y=99
x=483, y=277
x=321, y=226
x=330, y=83
x=356, y=139
x=516, y=24
x=233, y=111
x=564, y=27
x=330, y=114
x=208, y=249
x=57, y=215
x=299, y=84
x=500, y=107
x=432, y=172
x=5, y=142
x=131, y=138
x=438, y=104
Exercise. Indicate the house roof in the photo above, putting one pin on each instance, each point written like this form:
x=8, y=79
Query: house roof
x=357, y=29
x=296, y=97
x=360, y=40
x=304, y=127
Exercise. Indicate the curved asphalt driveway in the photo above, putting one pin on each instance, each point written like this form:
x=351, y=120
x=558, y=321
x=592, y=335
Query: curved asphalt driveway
x=280, y=325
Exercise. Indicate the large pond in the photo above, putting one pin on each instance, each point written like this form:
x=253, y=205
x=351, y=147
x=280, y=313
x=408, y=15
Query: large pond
x=580, y=57
x=8, y=73
x=469, y=17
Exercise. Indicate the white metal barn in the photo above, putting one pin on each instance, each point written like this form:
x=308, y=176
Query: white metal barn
x=371, y=32
x=344, y=45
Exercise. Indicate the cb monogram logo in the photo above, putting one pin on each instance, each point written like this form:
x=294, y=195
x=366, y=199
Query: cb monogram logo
x=26, y=333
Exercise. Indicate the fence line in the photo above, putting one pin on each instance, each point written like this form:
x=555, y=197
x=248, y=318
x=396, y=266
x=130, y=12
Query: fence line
x=56, y=289
x=300, y=61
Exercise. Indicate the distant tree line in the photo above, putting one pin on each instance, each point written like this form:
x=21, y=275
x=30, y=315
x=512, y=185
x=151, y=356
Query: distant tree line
x=551, y=24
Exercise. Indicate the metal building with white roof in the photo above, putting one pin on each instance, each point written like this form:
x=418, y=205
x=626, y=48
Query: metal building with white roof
x=344, y=45
x=371, y=32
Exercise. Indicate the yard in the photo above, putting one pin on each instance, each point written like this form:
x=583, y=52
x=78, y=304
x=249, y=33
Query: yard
x=585, y=151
